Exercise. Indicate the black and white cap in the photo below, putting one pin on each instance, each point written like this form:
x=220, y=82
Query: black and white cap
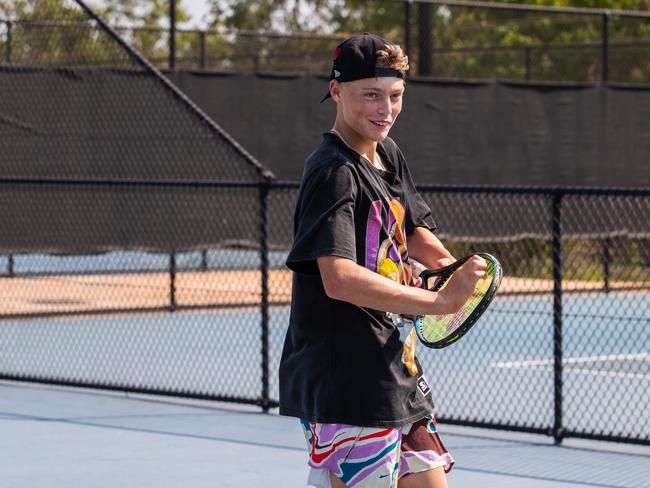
x=356, y=59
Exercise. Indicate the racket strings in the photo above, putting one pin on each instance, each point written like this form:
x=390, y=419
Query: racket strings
x=437, y=327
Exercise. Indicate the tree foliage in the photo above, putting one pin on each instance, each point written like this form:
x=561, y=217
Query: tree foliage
x=469, y=42
x=58, y=32
x=116, y=12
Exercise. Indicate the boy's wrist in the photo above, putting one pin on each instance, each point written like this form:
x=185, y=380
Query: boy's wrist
x=442, y=262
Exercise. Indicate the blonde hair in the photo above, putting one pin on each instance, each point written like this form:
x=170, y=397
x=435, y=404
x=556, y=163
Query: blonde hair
x=393, y=58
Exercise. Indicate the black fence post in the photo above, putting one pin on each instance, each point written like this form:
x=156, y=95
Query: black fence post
x=408, y=20
x=202, y=55
x=257, y=62
x=425, y=39
x=529, y=61
x=604, y=75
x=556, y=211
x=172, y=282
x=10, y=266
x=9, y=46
x=172, y=34
x=607, y=259
x=264, y=268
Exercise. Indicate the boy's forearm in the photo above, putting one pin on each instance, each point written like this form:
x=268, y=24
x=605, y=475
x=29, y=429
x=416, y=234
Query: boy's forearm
x=425, y=247
x=347, y=281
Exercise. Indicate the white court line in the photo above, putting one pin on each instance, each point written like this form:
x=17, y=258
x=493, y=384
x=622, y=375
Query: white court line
x=537, y=363
x=611, y=374
x=583, y=359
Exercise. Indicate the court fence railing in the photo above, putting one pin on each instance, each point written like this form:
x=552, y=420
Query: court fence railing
x=568, y=344
x=445, y=39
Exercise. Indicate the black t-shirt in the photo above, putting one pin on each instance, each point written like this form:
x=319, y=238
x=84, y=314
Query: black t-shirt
x=342, y=363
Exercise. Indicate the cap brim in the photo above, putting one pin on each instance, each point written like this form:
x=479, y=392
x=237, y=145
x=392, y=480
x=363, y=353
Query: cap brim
x=327, y=95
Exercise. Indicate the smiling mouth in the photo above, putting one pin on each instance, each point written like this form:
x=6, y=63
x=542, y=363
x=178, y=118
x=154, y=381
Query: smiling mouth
x=380, y=123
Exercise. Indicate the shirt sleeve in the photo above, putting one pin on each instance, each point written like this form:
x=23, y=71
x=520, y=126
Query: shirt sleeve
x=418, y=213
x=324, y=220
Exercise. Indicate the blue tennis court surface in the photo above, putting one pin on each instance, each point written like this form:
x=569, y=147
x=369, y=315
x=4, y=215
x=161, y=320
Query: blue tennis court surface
x=137, y=261
x=58, y=437
x=502, y=372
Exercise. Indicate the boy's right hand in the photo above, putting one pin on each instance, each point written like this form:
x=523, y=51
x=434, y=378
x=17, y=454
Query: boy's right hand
x=462, y=283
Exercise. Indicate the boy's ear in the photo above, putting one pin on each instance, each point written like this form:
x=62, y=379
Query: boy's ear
x=335, y=90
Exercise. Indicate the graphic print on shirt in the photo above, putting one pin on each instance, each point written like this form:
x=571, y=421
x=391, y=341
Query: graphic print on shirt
x=389, y=258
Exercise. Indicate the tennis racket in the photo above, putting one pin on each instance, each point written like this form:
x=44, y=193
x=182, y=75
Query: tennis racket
x=438, y=331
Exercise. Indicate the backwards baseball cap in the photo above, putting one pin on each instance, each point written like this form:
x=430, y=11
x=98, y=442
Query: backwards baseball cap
x=356, y=59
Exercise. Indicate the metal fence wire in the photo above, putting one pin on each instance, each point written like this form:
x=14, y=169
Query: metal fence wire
x=447, y=39
x=84, y=72
x=71, y=176
x=565, y=344
x=527, y=42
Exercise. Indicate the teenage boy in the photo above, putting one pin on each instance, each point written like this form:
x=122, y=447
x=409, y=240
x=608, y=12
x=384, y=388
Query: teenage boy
x=348, y=367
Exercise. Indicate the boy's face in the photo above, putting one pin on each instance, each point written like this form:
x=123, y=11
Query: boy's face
x=370, y=106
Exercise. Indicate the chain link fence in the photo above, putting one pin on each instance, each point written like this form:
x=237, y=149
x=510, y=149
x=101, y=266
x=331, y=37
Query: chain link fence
x=115, y=188
x=26, y=41
x=528, y=42
x=565, y=345
x=566, y=342
x=449, y=40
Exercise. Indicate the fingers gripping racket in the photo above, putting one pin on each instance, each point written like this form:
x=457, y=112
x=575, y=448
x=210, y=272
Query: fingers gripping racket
x=438, y=331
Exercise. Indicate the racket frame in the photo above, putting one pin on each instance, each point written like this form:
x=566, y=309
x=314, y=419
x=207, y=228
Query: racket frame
x=443, y=275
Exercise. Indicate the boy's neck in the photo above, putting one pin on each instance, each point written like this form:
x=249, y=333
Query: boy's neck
x=365, y=147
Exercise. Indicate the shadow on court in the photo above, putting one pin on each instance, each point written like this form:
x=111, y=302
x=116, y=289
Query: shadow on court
x=56, y=437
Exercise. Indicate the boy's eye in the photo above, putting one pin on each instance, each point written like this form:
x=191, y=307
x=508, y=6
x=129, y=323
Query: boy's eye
x=371, y=95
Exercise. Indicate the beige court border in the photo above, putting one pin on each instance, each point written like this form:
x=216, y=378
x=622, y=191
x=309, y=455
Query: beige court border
x=85, y=293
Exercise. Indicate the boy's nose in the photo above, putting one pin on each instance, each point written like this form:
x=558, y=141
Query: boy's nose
x=384, y=107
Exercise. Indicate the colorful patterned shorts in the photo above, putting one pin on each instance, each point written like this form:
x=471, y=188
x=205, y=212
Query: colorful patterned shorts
x=369, y=457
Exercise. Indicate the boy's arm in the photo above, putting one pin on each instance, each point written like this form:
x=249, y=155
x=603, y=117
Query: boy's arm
x=343, y=279
x=425, y=247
